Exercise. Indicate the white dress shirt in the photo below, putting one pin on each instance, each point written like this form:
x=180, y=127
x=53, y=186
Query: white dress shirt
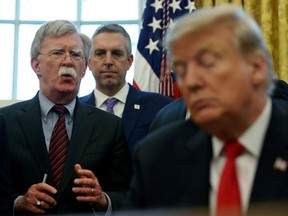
x=252, y=139
x=121, y=96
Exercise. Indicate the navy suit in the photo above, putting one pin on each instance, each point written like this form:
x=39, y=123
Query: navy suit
x=174, y=111
x=136, y=122
x=280, y=90
x=172, y=166
x=97, y=143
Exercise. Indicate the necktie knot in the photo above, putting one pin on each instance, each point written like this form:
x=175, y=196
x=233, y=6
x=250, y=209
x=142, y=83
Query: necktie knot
x=233, y=149
x=110, y=103
x=60, y=109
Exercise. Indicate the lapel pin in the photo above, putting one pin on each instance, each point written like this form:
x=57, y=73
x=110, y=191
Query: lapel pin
x=137, y=106
x=280, y=164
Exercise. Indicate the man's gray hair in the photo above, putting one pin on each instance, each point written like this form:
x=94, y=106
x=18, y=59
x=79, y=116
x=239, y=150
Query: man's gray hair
x=248, y=35
x=57, y=28
x=115, y=28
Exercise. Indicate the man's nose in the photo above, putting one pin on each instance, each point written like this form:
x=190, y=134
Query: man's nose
x=108, y=59
x=67, y=59
x=194, y=77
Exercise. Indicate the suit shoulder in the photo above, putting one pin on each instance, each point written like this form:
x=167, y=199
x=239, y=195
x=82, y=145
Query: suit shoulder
x=169, y=133
x=14, y=107
x=147, y=95
x=173, y=106
x=86, y=98
x=280, y=103
x=154, y=95
x=154, y=100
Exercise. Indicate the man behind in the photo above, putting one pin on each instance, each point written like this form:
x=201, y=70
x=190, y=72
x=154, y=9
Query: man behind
x=225, y=71
x=110, y=59
x=94, y=156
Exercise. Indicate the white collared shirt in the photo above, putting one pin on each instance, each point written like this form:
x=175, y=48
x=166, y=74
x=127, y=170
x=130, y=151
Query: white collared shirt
x=252, y=139
x=121, y=96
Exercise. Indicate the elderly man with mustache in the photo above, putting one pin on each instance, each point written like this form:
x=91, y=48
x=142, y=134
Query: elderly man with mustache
x=67, y=157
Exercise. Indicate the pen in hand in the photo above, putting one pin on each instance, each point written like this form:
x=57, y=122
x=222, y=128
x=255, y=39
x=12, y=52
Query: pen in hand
x=44, y=178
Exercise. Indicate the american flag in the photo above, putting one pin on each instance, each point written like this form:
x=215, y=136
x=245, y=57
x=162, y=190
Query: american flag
x=152, y=72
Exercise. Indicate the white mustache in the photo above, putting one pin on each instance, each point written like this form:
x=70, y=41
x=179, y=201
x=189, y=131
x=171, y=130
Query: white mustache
x=67, y=71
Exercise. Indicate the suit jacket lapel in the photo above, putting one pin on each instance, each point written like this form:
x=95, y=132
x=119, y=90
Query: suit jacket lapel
x=131, y=112
x=30, y=123
x=199, y=142
x=268, y=179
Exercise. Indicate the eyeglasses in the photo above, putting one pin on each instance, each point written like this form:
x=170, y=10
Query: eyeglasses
x=59, y=56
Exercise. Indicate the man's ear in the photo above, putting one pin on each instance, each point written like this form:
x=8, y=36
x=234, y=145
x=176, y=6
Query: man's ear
x=84, y=68
x=89, y=64
x=35, y=64
x=130, y=61
x=84, y=72
x=258, y=69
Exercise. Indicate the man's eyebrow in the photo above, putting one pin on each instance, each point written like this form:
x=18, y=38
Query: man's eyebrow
x=99, y=49
x=57, y=49
x=118, y=50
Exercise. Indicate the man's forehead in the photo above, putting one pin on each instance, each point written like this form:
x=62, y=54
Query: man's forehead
x=71, y=40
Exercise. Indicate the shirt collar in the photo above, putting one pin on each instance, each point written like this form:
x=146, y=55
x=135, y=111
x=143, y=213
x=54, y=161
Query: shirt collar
x=46, y=105
x=120, y=95
x=253, y=137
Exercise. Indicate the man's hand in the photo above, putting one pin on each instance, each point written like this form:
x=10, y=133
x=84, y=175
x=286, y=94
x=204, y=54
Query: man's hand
x=89, y=189
x=38, y=199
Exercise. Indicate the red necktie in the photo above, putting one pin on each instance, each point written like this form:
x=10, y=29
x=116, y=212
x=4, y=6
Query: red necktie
x=229, y=197
x=58, y=145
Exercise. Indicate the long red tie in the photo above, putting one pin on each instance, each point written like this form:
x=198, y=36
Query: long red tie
x=58, y=145
x=229, y=197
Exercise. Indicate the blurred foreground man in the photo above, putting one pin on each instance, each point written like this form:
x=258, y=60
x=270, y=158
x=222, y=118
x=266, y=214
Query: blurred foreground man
x=234, y=150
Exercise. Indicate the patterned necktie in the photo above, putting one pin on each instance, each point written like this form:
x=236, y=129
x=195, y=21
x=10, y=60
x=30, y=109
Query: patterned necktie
x=110, y=103
x=58, y=145
x=229, y=197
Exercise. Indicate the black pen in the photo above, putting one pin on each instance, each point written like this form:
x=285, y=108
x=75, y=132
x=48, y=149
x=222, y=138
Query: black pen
x=44, y=178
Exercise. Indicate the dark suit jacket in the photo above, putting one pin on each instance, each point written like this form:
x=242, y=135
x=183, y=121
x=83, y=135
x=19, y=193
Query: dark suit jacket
x=281, y=89
x=172, y=166
x=97, y=143
x=174, y=111
x=136, y=122
x=6, y=201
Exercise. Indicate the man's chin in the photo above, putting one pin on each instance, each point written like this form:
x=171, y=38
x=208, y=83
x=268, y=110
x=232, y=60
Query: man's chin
x=205, y=118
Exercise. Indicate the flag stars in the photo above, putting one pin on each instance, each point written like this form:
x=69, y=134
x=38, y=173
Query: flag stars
x=175, y=5
x=155, y=24
x=191, y=6
x=157, y=5
x=152, y=46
